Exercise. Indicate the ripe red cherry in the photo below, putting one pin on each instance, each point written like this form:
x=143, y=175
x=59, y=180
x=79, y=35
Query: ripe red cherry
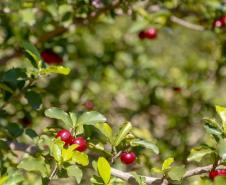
x=177, y=89
x=81, y=142
x=151, y=33
x=89, y=105
x=128, y=157
x=142, y=35
x=64, y=135
x=26, y=121
x=51, y=57
x=215, y=173
x=218, y=23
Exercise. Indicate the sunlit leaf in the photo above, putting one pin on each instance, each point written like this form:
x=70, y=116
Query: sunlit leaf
x=104, y=169
x=125, y=129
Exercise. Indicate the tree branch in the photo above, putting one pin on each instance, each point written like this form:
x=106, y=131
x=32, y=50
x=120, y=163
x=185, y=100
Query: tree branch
x=186, y=24
x=126, y=176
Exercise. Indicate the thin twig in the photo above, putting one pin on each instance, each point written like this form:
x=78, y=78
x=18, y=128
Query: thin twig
x=186, y=24
x=53, y=172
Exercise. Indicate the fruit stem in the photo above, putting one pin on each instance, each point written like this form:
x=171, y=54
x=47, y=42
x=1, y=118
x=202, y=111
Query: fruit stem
x=53, y=172
x=115, y=156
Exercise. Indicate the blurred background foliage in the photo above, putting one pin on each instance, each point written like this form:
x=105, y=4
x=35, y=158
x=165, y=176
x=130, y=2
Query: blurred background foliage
x=163, y=86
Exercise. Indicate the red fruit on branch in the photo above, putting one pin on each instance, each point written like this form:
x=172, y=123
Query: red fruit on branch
x=81, y=142
x=25, y=121
x=177, y=89
x=220, y=22
x=215, y=173
x=142, y=35
x=89, y=105
x=64, y=135
x=128, y=157
x=51, y=57
x=150, y=33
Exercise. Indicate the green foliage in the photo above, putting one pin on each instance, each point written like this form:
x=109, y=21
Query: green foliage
x=164, y=86
x=104, y=169
x=35, y=164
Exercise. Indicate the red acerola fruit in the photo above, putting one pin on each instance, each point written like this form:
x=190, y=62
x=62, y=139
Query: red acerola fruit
x=51, y=57
x=65, y=136
x=218, y=23
x=142, y=35
x=151, y=33
x=81, y=142
x=215, y=173
x=128, y=157
x=89, y=105
x=177, y=89
x=25, y=121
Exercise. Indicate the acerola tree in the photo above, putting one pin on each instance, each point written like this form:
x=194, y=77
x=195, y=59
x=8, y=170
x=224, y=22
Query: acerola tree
x=74, y=72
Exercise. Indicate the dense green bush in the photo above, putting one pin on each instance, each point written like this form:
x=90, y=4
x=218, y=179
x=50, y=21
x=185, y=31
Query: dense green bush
x=128, y=76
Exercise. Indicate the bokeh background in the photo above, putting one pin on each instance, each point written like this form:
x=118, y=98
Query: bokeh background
x=164, y=86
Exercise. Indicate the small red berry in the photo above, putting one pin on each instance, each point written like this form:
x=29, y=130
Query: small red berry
x=26, y=121
x=151, y=33
x=51, y=57
x=81, y=142
x=218, y=23
x=64, y=135
x=142, y=35
x=89, y=105
x=215, y=173
x=177, y=89
x=128, y=157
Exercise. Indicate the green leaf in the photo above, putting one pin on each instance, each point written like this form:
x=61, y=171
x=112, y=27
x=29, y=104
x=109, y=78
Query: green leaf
x=75, y=171
x=14, y=179
x=15, y=130
x=157, y=170
x=221, y=148
x=6, y=88
x=73, y=119
x=215, y=131
x=59, y=114
x=56, y=69
x=176, y=173
x=146, y=144
x=31, y=133
x=198, y=153
x=221, y=112
x=91, y=118
x=80, y=158
x=106, y=130
x=96, y=180
x=104, y=169
x=167, y=164
x=32, y=54
x=35, y=165
x=34, y=99
x=139, y=179
x=125, y=129
x=56, y=148
x=67, y=154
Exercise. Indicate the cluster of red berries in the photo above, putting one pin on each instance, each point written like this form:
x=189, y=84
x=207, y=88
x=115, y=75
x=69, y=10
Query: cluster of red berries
x=215, y=173
x=128, y=157
x=220, y=22
x=66, y=136
x=150, y=33
x=51, y=57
